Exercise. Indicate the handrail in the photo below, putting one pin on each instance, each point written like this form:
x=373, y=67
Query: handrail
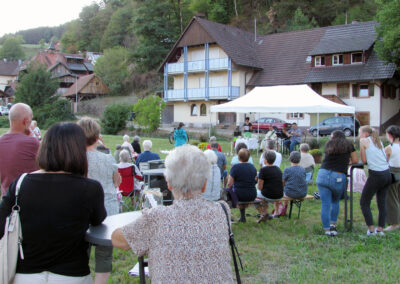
x=348, y=223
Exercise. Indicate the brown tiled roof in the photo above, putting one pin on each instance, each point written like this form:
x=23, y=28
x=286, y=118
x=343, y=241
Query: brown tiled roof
x=283, y=57
x=237, y=43
x=82, y=82
x=9, y=68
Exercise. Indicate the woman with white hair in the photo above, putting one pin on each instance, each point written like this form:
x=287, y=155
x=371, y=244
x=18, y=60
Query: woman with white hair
x=130, y=175
x=213, y=188
x=192, y=244
x=127, y=145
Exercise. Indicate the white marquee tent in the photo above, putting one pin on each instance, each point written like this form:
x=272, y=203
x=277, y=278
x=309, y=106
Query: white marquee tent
x=283, y=99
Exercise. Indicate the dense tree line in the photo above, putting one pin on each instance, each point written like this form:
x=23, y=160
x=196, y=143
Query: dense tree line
x=34, y=36
x=147, y=29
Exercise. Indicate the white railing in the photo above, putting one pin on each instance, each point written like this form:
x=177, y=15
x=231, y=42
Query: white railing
x=215, y=93
x=198, y=66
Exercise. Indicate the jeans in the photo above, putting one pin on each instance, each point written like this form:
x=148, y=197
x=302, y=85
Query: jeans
x=290, y=144
x=377, y=182
x=331, y=186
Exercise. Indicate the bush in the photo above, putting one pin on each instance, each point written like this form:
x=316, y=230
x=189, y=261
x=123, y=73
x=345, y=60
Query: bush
x=316, y=152
x=314, y=144
x=48, y=114
x=4, y=123
x=148, y=111
x=114, y=118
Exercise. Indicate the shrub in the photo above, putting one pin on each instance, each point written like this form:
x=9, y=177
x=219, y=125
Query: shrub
x=203, y=137
x=48, y=114
x=114, y=118
x=4, y=123
x=148, y=112
x=316, y=152
x=314, y=144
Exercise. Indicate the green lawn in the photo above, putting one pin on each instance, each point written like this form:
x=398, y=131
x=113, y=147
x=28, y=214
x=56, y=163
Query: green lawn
x=295, y=251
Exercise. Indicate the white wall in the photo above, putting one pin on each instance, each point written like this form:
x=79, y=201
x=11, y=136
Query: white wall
x=390, y=107
x=5, y=79
x=182, y=113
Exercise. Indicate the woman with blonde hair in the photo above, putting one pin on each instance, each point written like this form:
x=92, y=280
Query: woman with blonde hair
x=379, y=179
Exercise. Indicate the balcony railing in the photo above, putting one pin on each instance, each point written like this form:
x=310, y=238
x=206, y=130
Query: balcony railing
x=199, y=66
x=215, y=93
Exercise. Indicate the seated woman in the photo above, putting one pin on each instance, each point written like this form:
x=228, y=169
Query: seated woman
x=129, y=172
x=243, y=179
x=269, y=185
x=58, y=203
x=213, y=188
x=235, y=159
x=192, y=244
x=306, y=160
x=294, y=178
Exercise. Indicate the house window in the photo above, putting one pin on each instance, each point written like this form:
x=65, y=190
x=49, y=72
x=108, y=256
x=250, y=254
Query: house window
x=193, y=110
x=356, y=57
x=319, y=60
x=363, y=90
x=337, y=59
x=203, y=110
x=295, y=115
x=343, y=91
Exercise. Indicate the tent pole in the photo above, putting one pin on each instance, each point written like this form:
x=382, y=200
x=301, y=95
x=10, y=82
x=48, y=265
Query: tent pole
x=209, y=128
x=258, y=136
x=354, y=124
x=317, y=126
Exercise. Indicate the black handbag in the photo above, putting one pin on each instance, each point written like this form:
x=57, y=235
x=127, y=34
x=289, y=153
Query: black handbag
x=233, y=247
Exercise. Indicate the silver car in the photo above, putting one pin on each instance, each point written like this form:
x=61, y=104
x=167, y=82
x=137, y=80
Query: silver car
x=3, y=110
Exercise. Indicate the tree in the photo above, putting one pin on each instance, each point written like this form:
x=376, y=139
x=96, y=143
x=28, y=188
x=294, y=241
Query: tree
x=388, y=44
x=114, y=118
x=112, y=68
x=148, y=112
x=12, y=49
x=155, y=36
x=300, y=22
x=118, y=28
x=36, y=87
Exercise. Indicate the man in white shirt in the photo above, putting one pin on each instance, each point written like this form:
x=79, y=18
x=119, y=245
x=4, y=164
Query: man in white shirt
x=271, y=144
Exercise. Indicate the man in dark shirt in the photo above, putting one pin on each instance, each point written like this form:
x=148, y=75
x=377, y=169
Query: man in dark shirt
x=247, y=127
x=146, y=155
x=221, y=162
x=18, y=147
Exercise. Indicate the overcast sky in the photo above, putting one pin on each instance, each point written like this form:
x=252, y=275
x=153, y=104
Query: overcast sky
x=26, y=14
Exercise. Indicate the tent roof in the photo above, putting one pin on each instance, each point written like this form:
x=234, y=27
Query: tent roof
x=283, y=99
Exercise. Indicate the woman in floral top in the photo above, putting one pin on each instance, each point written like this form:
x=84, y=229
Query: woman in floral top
x=186, y=242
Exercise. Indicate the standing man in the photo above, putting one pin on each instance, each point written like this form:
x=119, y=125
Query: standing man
x=18, y=147
x=294, y=138
x=247, y=126
x=221, y=161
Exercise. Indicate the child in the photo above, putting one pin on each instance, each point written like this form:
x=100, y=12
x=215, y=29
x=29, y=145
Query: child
x=294, y=178
x=269, y=185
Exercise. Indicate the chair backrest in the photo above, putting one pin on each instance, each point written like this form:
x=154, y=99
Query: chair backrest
x=127, y=184
x=309, y=174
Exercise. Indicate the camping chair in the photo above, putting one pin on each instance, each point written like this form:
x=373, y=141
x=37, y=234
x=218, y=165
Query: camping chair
x=127, y=187
x=309, y=177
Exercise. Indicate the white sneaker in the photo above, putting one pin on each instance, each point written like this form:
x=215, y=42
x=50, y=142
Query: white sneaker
x=369, y=233
x=379, y=233
x=392, y=228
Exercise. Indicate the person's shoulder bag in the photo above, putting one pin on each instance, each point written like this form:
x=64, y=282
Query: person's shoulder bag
x=11, y=243
x=233, y=246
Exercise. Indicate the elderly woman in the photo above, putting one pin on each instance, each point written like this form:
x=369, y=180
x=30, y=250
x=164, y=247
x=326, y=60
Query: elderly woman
x=191, y=245
x=128, y=145
x=235, y=159
x=213, y=188
x=306, y=159
x=103, y=169
x=130, y=175
x=58, y=203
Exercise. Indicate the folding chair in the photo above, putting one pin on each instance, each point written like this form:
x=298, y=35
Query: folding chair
x=127, y=185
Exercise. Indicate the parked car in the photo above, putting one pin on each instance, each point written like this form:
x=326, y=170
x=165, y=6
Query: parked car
x=266, y=122
x=3, y=110
x=327, y=126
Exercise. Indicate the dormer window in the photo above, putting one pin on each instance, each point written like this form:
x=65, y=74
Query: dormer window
x=356, y=57
x=337, y=59
x=319, y=60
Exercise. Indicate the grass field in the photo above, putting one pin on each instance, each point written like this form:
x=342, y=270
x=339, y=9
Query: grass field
x=295, y=251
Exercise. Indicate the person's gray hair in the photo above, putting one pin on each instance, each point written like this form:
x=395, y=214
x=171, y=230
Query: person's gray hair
x=126, y=138
x=269, y=156
x=118, y=147
x=186, y=171
x=211, y=156
x=271, y=144
x=124, y=156
x=295, y=157
x=147, y=144
x=213, y=139
x=136, y=139
x=304, y=147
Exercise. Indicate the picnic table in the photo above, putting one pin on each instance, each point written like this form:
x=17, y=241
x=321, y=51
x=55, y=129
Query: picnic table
x=101, y=234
